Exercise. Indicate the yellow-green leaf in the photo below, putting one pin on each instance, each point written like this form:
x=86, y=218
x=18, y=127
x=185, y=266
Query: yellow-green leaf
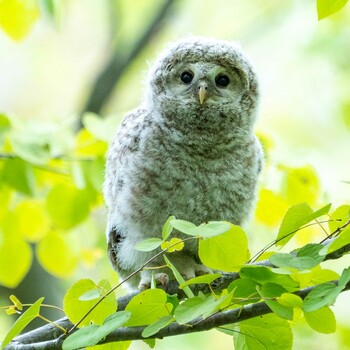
x=67, y=205
x=16, y=302
x=16, y=259
x=267, y=332
x=326, y=8
x=148, y=307
x=175, y=244
x=291, y=300
x=5, y=197
x=296, y=216
x=23, y=321
x=18, y=174
x=56, y=255
x=340, y=216
x=118, y=345
x=270, y=208
x=17, y=17
x=76, y=308
x=225, y=252
x=301, y=185
x=92, y=334
x=321, y=320
x=31, y=220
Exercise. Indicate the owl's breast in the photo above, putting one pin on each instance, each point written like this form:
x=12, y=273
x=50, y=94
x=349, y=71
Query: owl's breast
x=173, y=181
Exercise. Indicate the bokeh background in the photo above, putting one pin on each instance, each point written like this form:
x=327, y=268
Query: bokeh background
x=92, y=56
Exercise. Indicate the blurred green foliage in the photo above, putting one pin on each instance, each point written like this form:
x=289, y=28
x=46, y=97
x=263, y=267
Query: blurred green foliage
x=51, y=175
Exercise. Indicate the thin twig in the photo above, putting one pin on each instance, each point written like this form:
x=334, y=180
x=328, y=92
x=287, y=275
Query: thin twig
x=126, y=279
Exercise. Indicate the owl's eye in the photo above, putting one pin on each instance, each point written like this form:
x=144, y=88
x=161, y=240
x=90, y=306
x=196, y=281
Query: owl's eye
x=186, y=77
x=222, y=80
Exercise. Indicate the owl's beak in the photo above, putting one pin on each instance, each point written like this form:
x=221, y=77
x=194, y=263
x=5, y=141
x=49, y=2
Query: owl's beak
x=202, y=91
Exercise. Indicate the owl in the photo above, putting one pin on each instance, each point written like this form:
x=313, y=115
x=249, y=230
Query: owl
x=188, y=150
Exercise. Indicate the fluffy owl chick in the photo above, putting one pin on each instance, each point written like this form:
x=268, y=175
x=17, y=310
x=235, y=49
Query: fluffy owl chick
x=188, y=150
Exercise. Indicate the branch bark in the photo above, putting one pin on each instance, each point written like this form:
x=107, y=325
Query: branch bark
x=135, y=333
x=51, y=337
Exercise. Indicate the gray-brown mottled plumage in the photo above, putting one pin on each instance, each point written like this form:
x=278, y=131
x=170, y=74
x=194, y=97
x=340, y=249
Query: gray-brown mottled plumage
x=188, y=150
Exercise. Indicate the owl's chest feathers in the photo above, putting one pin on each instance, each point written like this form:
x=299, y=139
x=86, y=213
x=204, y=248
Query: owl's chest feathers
x=200, y=178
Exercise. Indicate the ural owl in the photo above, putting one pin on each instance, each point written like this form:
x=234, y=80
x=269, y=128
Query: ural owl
x=188, y=150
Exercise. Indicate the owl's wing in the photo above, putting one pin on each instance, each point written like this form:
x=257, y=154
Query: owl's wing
x=124, y=146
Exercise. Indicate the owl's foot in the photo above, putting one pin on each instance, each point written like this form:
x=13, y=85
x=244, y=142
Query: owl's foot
x=161, y=279
x=194, y=270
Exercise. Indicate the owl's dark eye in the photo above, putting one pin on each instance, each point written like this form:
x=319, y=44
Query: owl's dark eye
x=222, y=80
x=186, y=77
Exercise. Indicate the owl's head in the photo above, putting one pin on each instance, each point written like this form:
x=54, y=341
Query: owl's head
x=202, y=75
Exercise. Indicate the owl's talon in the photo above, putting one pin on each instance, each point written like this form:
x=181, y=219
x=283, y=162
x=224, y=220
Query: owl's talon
x=161, y=279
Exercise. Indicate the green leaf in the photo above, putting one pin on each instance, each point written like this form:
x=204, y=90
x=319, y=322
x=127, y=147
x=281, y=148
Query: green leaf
x=148, y=244
x=290, y=261
x=75, y=308
x=31, y=220
x=294, y=219
x=157, y=326
x=18, y=174
x=195, y=307
x=263, y=274
x=291, y=300
x=226, y=252
x=300, y=184
x=185, y=227
x=16, y=258
x=92, y=334
x=320, y=212
x=326, y=8
x=321, y=320
x=311, y=250
x=179, y=278
x=244, y=291
x=322, y=295
x=4, y=123
x=175, y=244
x=341, y=241
x=207, y=279
x=120, y=345
x=148, y=307
x=307, y=258
x=67, y=205
x=150, y=342
x=214, y=228
x=167, y=228
x=340, y=216
x=17, y=17
x=28, y=316
x=57, y=255
x=280, y=310
x=267, y=332
x=91, y=294
x=271, y=290
x=35, y=153
x=344, y=278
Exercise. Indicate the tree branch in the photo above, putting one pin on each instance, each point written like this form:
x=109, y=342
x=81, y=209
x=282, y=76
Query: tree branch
x=119, y=61
x=135, y=333
x=51, y=337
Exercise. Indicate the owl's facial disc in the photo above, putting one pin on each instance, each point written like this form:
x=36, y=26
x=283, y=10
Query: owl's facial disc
x=204, y=83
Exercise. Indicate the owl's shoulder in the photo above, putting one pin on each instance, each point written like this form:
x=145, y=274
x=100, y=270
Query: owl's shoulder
x=127, y=137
